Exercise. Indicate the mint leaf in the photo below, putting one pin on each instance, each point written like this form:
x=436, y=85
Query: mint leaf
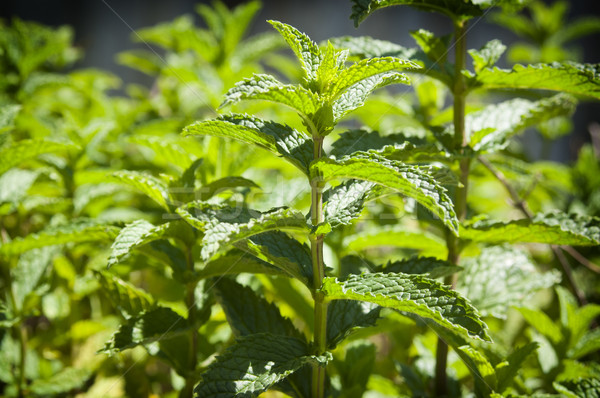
x=253, y=364
x=430, y=267
x=507, y=370
x=411, y=293
x=237, y=262
x=412, y=181
x=20, y=151
x=247, y=313
x=553, y=228
x=367, y=47
x=223, y=184
x=266, y=87
x=8, y=113
x=345, y=202
x=277, y=138
x=147, y=184
x=397, y=236
x=132, y=235
x=567, y=77
x=488, y=55
x=343, y=316
x=128, y=299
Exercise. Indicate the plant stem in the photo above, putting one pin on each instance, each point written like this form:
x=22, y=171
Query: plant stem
x=316, y=246
x=459, y=93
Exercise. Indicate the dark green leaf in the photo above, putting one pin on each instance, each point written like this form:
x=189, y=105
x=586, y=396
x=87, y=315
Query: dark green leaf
x=127, y=298
x=237, y=262
x=508, y=369
x=343, y=316
x=224, y=184
x=427, y=266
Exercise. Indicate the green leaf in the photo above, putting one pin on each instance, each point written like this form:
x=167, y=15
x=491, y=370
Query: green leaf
x=368, y=68
x=488, y=55
x=167, y=152
x=397, y=236
x=254, y=48
x=63, y=382
x=579, y=388
x=345, y=202
x=154, y=325
x=587, y=344
x=306, y=50
x=128, y=299
x=542, y=323
x=436, y=48
x=223, y=225
x=455, y=9
x=237, y=262
x=18, y=152
x=367, y=47
x=145, y=61
x=14, y=185
x=411, y=293
x=247, y=313
x=491, y=127
x=553, y=228
x=266, y=87
x=149, y=185
x=412, y=181
x=283, y=251
x=508, y=369
x=567, y=77
x=501, y=277
x=343, y=316
x=430, y=267
x=277, y=138
x=253, y=364
x=224, y=184
x=29, y=274
x=356, y=368
x=485, y=379
x=8, y=113
x=133, y=235
x=355, y=96
x=77, y=231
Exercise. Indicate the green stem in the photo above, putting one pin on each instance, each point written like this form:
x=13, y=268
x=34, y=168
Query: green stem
x=461, y=140
x=190, y=302
x=316, y=245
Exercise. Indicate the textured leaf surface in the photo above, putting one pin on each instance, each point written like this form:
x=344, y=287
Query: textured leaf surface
x=355, y=95
x=345, y=315
x=224, y=184
x=455, y=9
x=237, y=262
x=253, y=364
x=579, y=388
x=572, y=78
x=411, y=293
x=283, y=251
x=501, y=277
x=488, y=55
x=127, y=298
x=23, y=150
x=552, y=228
x=492, y=126
x=427, y=266
x=247, y=313
x=224, y=225
x=412, y=181
x=397, y=237
x=345, y=202
x=8, y=113
x=78, y=231
x=367, y=47
x=157, y=324
x=147, y=184
x=507, y=370
x=305, y=49
x=280, y=139
x=266, y=87
x=135, y=234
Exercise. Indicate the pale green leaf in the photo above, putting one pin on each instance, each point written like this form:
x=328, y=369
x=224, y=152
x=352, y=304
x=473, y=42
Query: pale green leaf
x=237, y=262
x=553, y=228
x=133, y=235
x=343, y=316
x=283, y=251
x=77, y=231
x=166, y=151
x=127, y=298
x=144, y=61
x=14, y=185
x=149, y=185
x=367, y=68
x=306, y=50
x=455, y=9
x=413, y=181
x=485, y=378
x=154, y=325
x=434, y=47
x=427, y=266
x=488, y=55
x=567, y=77
x=411, y=293
x=492, y=126
x=8, y=113
x=18, y=152
x=355, y=96
x=397, y=236
x=223, y=225
x=345, y=202
x=367, y=47
x=587, y=344
x=247, y=313
x=29, y=273
x=254, y=48
x=253, y=364
x=223, y=184
x=277, y=138
x=542, y=323
x=501, y=277
x=61, y=383
x=266, y=87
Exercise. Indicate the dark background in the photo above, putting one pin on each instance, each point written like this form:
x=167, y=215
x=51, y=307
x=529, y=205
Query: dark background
x=103, y=28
